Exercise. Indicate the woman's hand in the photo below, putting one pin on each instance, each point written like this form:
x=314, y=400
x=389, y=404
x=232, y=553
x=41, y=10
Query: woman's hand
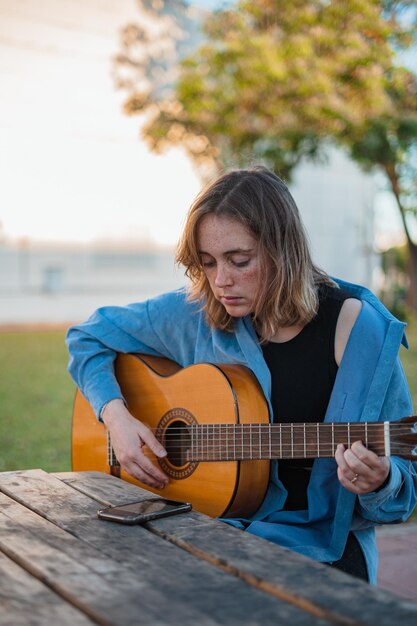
x=360, y=470
x=128, y=436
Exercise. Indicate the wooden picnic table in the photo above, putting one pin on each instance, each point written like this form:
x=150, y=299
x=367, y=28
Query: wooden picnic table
x=60, y=565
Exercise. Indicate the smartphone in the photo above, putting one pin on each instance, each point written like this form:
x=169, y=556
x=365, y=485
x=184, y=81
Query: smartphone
x=143, y=511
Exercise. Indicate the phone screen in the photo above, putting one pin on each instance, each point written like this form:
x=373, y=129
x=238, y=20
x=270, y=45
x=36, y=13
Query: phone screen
x=157, y=505
x=143, y=511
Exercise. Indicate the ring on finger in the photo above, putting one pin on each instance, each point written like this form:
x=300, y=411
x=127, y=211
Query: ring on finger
x=354, y=479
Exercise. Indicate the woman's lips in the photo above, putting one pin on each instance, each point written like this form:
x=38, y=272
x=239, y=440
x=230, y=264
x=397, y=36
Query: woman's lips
x=231, y=299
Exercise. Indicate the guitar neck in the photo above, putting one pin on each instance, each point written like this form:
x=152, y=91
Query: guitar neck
x=232, y=442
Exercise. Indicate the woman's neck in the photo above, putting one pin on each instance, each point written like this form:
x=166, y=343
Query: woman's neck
x=286, y=333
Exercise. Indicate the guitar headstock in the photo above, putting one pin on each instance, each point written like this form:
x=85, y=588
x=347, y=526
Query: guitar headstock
x=403, y=438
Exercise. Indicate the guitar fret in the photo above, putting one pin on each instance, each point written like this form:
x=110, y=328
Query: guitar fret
x=366, y=434
x=280, y=440
x=348, y=434
x=292, y=441
x=318, y=440
x=234, y=446
x=250, y=442
x=270, y=442
x=333, y=448
x=260, y=441
x=241, y=440
x=305, y=441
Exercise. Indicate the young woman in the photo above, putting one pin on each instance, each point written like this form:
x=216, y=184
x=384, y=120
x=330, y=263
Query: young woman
x=322, y=350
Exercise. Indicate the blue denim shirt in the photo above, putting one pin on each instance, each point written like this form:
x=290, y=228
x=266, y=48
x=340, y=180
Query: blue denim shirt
x=370, y=386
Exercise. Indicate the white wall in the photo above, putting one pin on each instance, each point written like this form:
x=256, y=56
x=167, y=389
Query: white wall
x=336, y=200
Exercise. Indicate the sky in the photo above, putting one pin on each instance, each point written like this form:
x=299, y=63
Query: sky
x=73, y=168
x=71, y=163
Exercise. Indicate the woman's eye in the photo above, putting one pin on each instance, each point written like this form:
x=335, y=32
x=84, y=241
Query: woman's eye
x=240, y=263
x=206, y=264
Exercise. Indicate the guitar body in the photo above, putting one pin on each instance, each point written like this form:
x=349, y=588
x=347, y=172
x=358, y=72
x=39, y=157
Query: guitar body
x=168, y=399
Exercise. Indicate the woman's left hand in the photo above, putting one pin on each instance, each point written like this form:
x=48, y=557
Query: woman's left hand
x=360, y=470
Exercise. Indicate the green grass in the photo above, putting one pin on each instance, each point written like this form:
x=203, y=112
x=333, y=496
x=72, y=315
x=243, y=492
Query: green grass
x=36, y=396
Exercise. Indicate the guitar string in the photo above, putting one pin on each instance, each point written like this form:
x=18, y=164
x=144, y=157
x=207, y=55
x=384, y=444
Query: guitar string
x=297, y=438
x=289, y=425
x=223, y=439
x=245, y=448
x=237, y=429
x=213, y=457
x=326, y=449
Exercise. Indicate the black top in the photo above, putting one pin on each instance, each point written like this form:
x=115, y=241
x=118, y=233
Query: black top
x=303, y=372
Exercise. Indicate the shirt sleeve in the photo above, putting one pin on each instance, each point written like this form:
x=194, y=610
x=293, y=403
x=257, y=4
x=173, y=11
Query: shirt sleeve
x=93, y=347
x=395, y=502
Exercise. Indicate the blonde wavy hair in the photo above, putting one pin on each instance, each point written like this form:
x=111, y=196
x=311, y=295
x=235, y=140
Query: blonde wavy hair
x=259, y=200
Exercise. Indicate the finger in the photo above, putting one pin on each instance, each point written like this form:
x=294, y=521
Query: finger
x=134, y=460
x=140, y=474
x=375, y=468
x=343, y=465
x=366, y=456
x=356, y=464
x=371, y=468
x=151, y=441
x=344, y=473
x=152, y=470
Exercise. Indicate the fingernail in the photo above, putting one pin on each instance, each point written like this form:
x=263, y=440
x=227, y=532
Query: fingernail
x=161, y=452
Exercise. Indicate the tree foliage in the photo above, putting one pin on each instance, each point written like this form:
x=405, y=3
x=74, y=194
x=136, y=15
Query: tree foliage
x=274, y=81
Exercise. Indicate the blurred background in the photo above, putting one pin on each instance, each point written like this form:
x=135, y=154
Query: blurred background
x=113, y=114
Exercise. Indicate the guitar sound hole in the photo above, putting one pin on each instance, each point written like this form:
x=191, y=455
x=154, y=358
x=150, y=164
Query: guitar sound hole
x=177, y=443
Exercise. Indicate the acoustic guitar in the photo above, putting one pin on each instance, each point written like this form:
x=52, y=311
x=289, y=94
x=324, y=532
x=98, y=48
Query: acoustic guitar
x=213, y=421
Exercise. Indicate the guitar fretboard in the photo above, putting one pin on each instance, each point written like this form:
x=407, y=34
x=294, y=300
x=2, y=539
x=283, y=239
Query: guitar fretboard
x=239, y=442
x=232, y=442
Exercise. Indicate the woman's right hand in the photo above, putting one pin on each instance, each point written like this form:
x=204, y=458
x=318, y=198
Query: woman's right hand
x=128, y=436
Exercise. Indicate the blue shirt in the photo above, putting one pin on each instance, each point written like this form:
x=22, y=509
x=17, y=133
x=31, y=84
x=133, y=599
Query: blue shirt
x=370, y=386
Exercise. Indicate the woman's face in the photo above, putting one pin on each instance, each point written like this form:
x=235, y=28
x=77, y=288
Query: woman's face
x=230, y=259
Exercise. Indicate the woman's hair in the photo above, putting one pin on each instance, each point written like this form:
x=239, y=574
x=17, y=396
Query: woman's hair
x=259, y=200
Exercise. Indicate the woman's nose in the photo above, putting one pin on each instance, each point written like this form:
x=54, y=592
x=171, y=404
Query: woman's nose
x=223, y=276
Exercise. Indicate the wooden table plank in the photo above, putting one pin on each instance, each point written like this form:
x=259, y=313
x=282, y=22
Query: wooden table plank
x=119, y=575
x=25, y=600
x=300, y=581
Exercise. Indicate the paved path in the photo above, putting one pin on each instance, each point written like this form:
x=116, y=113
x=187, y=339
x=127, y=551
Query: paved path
x=397, y=547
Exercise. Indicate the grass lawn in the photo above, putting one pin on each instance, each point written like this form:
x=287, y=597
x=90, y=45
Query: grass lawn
x=36, y=396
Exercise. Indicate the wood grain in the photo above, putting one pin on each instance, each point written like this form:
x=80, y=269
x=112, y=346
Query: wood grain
x=26, y=600
x=121, y=575
x=299, y=581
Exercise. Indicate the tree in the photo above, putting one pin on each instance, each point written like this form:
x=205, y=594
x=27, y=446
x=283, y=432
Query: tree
x=274, y=81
